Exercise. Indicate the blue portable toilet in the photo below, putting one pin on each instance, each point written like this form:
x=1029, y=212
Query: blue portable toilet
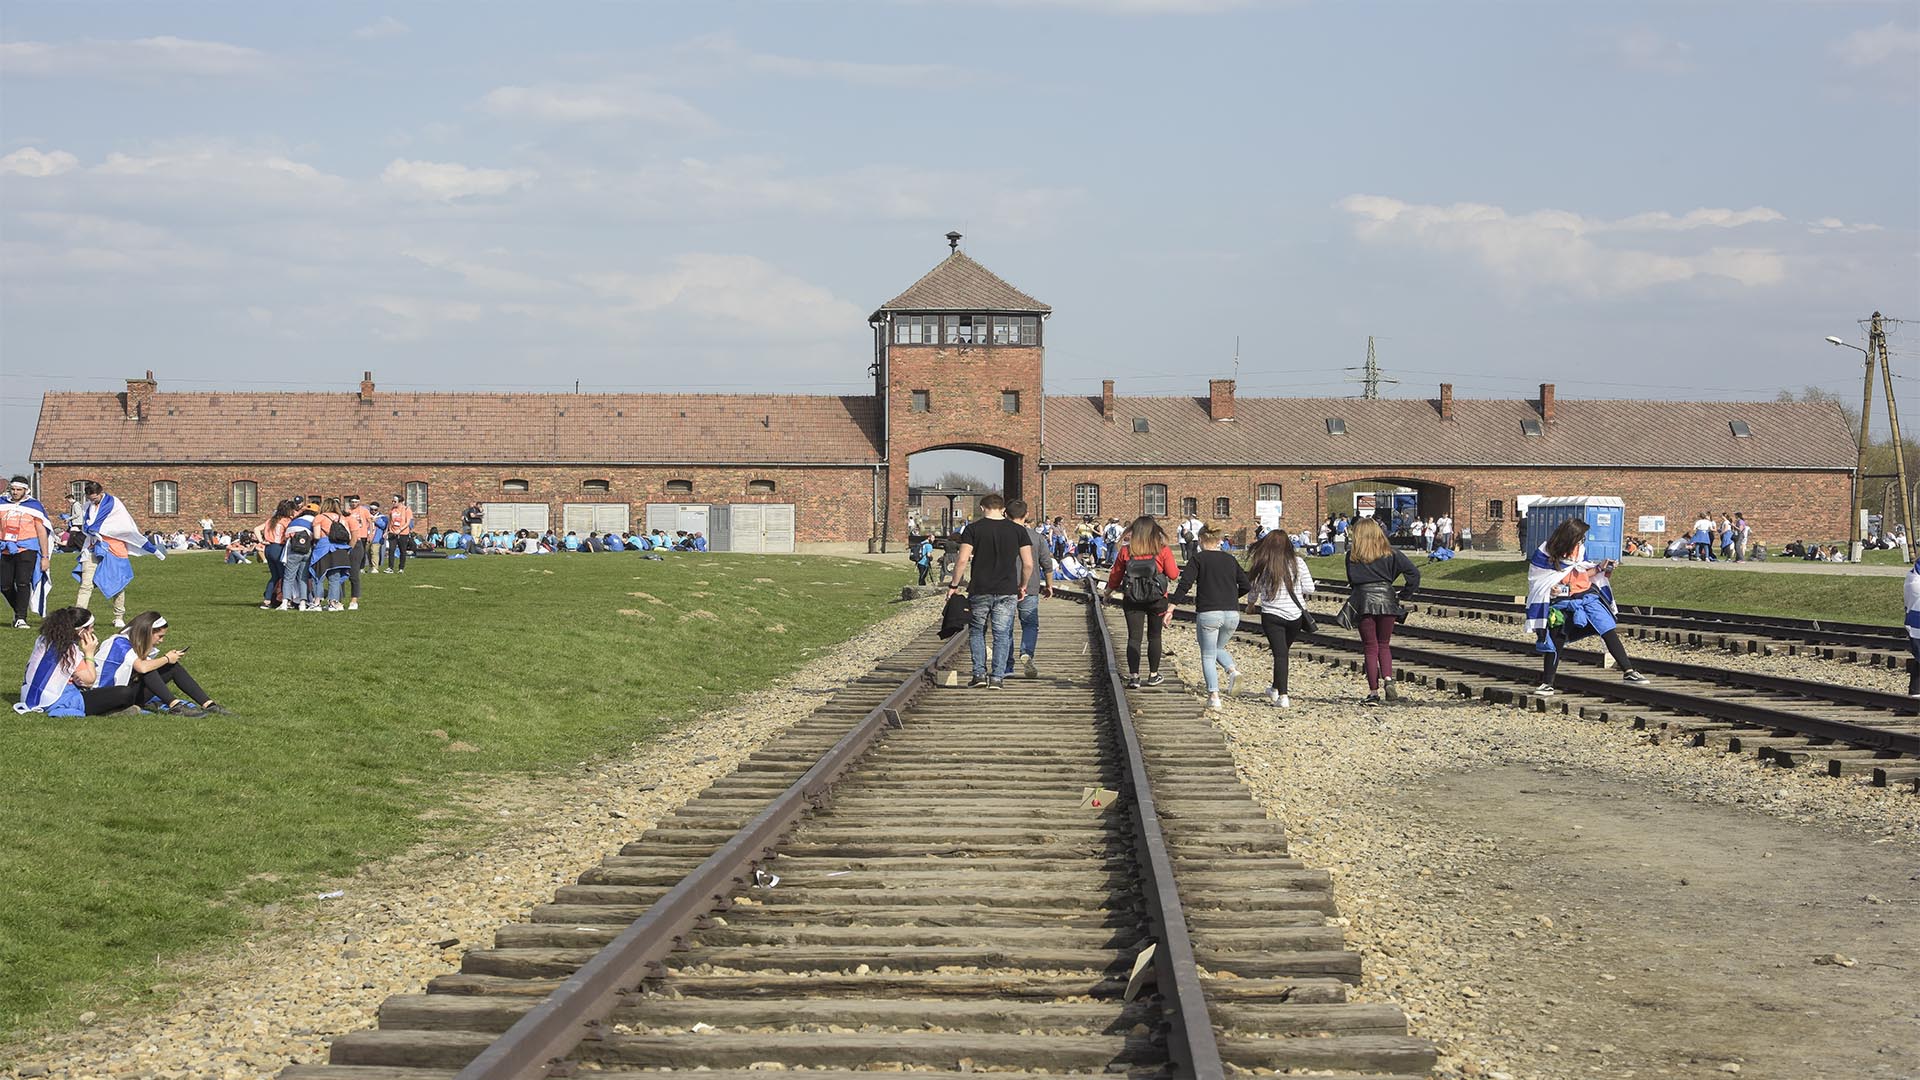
x=1605, y=515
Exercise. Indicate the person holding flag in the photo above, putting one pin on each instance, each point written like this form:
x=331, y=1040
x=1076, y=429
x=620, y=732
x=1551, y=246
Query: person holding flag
x=1569, y=598
x=26, y=552
x=109, y=536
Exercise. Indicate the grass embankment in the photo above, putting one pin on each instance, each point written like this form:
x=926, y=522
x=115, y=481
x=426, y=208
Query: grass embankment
x=131, y=838
x=1661, y=583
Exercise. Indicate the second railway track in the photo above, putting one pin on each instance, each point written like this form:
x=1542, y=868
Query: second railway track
x=951, y=906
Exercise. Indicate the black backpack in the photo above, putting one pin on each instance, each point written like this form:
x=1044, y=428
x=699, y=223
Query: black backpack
x=299, y=542
x=337, y=533
x=1144, y=583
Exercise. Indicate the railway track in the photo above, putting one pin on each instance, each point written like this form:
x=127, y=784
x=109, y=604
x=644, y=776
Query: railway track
x=913, y=879
x=1849, y=731
x=1766, y=635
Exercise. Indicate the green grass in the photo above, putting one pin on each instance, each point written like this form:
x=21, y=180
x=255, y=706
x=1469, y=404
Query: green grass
x=1841, y=597
x=128, y=839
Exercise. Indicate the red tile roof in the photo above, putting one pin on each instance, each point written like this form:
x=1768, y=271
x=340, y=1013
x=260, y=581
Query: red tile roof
x=431, y=428
x=1293, y=431
x=960, y=284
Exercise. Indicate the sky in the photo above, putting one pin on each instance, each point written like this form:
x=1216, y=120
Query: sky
x=1677, y=199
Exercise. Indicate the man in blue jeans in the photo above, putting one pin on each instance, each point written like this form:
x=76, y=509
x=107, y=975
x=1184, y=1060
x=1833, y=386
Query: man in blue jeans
x=1040, y=581
x=1001, y=556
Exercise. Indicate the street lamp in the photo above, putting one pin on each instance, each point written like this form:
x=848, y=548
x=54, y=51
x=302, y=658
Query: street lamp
x=1836, y=341
x=1854, y=545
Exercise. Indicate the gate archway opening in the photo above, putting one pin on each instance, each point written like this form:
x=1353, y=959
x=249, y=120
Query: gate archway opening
x=1396, y=501
x=944, y=485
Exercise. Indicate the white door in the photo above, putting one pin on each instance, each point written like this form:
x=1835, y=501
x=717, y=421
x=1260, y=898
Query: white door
x=677, y=517
x=745, y=528
x=584, y=518
x=777, y=529
x=512, y=517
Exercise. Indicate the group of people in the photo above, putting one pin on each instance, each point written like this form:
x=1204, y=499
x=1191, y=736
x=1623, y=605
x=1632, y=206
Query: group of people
x=72, y=671
x=529, y=542
x=316, y=551
x=99, y=531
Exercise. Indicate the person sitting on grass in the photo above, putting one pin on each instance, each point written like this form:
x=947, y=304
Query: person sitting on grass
x=133, y=658
x=62, y=678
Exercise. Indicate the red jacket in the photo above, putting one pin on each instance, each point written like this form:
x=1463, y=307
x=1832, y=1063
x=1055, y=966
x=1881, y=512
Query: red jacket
x=1165, y=559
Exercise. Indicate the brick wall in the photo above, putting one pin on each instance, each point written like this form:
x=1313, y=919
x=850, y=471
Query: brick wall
x=1782, y=505
x=965, y=410
x=830, y=504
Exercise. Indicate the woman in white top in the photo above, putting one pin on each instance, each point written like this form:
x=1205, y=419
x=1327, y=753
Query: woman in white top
x=1281, y=585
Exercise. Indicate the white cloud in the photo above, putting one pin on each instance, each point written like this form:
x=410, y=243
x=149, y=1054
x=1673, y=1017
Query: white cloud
x=723, y=50
x=1650, y=50
x=740, y=291
x=140, y=57
x=386, y=26
x=1563, y=249
x=595, y=103
x=411, y=318
x=484, y=275
x=1889, y=43
x=448, y=181
x=29, y=161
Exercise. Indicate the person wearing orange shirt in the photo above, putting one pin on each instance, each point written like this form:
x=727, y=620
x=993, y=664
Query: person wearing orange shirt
x=273, y=533
x=360, y=525
x=399, y=535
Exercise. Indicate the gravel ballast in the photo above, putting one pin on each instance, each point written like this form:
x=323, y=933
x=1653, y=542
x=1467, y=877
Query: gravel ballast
x=314, y=969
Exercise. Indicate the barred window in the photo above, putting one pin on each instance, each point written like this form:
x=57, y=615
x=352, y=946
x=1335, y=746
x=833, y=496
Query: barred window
x=1222, y=508
x=1189, y=507
x=1496, y=510
x=1153, y=500
x=1086, y=500
x=166, y=496
x=246, y=497
x=417, y=497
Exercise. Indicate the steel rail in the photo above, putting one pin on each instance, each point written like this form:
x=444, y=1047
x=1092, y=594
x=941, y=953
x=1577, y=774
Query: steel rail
x=537, y=1045
x=1862, y=735
x=1190, y=1037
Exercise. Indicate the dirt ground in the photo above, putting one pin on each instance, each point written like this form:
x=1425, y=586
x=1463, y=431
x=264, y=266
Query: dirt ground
x=1686, y=936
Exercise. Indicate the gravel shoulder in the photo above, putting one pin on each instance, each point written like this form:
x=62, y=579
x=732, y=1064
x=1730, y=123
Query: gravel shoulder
x=314, y=969
x=1556, y=898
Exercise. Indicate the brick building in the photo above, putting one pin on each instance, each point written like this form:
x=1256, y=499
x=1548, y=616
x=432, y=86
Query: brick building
x=958, y=364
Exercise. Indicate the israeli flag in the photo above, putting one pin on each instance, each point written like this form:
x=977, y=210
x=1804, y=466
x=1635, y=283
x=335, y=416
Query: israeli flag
x=1913, y=600
x=109, y=520
x=1543, y=577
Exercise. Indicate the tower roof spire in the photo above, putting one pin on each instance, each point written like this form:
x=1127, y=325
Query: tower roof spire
x=960, y=284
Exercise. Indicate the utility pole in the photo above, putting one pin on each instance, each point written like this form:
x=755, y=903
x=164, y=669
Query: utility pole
x=1370, y=377
x=1878, y=337
x=1854, y=545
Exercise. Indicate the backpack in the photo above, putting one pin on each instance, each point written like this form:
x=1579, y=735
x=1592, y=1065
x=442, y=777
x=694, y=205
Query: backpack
x=299, y=542
x=337, y=533
x=1144, y=583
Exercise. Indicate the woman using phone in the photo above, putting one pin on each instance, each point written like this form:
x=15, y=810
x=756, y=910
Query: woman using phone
x=1569, y=598
x=63, y=679
x=133, y=658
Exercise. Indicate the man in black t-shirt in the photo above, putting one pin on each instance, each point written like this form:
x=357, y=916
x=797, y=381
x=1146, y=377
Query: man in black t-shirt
x=1001, y=555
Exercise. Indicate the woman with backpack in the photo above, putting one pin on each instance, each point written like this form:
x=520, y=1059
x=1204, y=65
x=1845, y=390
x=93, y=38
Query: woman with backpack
x=923, y=557
x=1143, y=573
x=1281, y=585
x=333, y=554
x=1221, y=582
x=298, y=551
x=1372, y=567
x=274, y=535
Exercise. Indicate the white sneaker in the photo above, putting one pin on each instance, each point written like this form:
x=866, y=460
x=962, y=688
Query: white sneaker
x=1285, y=702
x=21, y=624
x=335, y=605
x=1274, y=697
x=1543, y=690
x=281, y=606
x=119, y=624
x=1028, y=669
x=1233, y=677
x=1213, y=701
x=353, y=605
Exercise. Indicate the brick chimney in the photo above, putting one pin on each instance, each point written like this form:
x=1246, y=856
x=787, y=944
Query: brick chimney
x=1546, y=402
x=1106, y=400
x=1220, y=399
x=366, y=388
x=139, y=391
x=1446, y=401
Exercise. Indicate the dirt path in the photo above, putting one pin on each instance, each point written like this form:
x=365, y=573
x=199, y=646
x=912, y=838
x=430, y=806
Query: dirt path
x=1685, y=936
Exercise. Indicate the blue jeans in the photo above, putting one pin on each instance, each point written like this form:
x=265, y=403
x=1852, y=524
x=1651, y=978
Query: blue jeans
x=297, y=578
x=1028, y=611
x=1215, y=629
x=997, y=609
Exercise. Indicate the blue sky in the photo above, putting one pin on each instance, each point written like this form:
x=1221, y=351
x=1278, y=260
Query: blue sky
x=1629, y=200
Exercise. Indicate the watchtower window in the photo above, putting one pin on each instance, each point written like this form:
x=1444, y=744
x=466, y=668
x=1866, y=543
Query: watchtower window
x=1010, y=401
x=967, y=329
x=922, y=401
x=916, y=330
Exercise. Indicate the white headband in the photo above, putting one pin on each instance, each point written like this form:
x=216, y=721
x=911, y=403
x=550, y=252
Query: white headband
x=160, y=622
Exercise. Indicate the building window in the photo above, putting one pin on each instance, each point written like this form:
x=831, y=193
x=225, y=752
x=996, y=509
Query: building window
x=1222, y=508
x=1267, y=493
x=679, y=487
x=1531, y=427
x=516, y=486
x=761, y=487
x=1741, y=429
x=1086, y=500
x=77, y=491
x=1139, y=425
x=596, y=487
x=916, y=330
x=1153, y=500
x=922, y=401
x=1496, y=510
x=1189, y=507
x=166, y=497
x=1336, y=426
x=1010, y=401
x=417, y=497
x=246, y=497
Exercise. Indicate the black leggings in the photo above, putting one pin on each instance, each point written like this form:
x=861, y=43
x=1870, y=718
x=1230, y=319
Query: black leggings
x=1913, y=667
x=1147, y=617
x=1280, y=634
x=16, y=580
x=397, y=548
x=1550, y=662
x=144, y=685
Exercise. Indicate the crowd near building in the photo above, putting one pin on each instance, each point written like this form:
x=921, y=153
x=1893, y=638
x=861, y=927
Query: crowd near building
x=958, y=364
